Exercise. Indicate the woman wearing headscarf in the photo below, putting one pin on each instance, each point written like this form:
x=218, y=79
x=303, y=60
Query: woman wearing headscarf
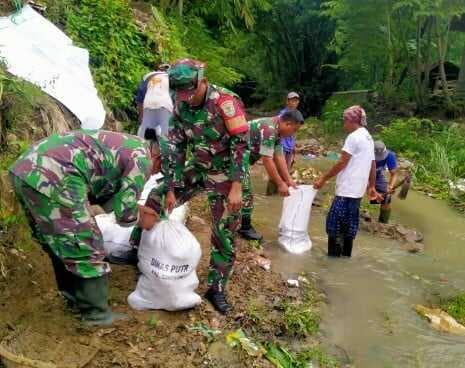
x=355, y=172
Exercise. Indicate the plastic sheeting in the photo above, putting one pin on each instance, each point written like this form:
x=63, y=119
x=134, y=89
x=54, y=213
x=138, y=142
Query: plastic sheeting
x=37, y=51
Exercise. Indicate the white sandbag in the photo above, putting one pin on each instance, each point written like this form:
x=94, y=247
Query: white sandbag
x=116, y=237
x=293, y=227
x=168, y=258
x=153, y=182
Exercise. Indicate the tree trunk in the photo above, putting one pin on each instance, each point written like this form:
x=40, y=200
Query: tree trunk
x=461, y=83
x=180, y=7
x=418, y=68
x=427, y=57
x=442, y=48
x=390, y=64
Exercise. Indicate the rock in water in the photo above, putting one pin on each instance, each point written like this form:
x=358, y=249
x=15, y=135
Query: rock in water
x=440, y=320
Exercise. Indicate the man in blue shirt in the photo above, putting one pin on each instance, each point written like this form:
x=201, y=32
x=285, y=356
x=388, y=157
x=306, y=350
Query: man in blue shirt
x=385, y=161
x=288, y=143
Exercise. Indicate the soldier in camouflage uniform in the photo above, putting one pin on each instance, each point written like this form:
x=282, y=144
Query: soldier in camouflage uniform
x=210, y=121
x=56, y=181
x=265, y=135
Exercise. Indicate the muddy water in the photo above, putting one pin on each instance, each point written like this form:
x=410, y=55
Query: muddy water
x=369, y=317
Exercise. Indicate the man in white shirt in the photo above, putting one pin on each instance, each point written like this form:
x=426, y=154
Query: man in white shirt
x=154, y=104
x=355, y=172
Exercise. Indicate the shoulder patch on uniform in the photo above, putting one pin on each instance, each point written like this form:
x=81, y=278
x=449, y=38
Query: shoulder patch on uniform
x=228, y=108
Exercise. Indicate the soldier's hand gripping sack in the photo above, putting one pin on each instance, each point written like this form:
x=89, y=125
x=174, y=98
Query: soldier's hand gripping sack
x=293, y=227
x=168, y=258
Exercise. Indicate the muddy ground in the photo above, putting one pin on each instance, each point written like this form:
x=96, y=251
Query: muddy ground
x=35, y=322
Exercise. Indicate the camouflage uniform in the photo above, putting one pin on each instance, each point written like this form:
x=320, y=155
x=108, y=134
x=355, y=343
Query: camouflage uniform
x=264, y=141
x=216, y=135
x=58, y=178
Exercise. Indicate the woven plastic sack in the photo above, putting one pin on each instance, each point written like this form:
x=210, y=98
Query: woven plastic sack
x=293, y=227
x=168, y=258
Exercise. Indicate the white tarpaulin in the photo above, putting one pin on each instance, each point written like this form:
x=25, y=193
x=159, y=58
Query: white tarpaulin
x=37, y=51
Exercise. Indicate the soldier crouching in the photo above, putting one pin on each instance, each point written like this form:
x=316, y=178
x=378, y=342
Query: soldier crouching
x=57, y=180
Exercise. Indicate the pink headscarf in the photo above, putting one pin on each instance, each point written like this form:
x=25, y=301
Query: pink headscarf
x=356, y=114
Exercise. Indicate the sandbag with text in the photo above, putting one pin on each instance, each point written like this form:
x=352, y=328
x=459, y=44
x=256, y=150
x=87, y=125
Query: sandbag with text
x=293, y=227
x=168, y=258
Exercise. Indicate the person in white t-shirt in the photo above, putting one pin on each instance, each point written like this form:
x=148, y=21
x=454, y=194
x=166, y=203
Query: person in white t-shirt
x=154, y=104
x=355, y=174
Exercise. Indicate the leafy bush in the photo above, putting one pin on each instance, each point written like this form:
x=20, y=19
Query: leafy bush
x=175, y=38
x=332, y=116
x=437, y=148
x=119, y=52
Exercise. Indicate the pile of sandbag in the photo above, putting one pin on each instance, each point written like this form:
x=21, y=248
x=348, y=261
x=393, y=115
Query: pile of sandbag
x=168, y=258
x=116, y=237
x=293, y=227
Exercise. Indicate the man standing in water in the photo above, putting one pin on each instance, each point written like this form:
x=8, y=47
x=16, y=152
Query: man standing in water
x=210, y=122
x=287, y=143
x=355, y=170
x=57, y=180
x=265, y=135
x=385, y=160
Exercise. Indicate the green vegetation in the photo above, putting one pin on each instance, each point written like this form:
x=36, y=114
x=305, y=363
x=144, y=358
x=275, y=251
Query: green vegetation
x=302, y=318
x=392, y=45
x=455, y=307
x=123, y=48
x=437, y=148
x=289, y=319
x=119, y=53
x=283, y=358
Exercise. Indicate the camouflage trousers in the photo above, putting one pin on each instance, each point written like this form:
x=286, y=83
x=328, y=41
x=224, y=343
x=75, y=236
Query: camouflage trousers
x=224, y=223
x=247, y=197
x=69, y=233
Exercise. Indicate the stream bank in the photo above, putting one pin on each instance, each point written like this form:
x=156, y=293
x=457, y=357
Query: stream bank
x=369, y=316
x=34, y=320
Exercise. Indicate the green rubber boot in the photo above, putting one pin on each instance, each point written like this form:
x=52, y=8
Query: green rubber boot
x=384, y=215
x=64, y=279
x=92, y=301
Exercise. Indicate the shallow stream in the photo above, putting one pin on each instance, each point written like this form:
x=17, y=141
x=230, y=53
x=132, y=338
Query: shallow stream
x=369, y=317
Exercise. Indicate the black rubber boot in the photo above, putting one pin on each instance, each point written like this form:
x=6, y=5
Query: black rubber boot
x=218, y=300
x=92, y=301
x=347, y=248
x=384, y=215
x=64, y=279
x=127, y=258
x=247, y=231
x=334, y=248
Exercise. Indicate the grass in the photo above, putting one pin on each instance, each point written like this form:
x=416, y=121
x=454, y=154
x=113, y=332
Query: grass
x=455, y=306
x=300, y=319
x=282, y=357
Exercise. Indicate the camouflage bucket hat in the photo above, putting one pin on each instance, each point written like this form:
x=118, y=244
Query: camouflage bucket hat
x=185, y=74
